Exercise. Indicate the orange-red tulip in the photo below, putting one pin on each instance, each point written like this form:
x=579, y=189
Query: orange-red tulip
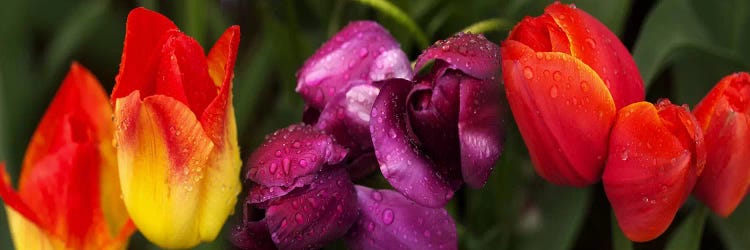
x=565, y=76
x=724, y=115
x=175, y=129
x=69, y=195
x=656, y=153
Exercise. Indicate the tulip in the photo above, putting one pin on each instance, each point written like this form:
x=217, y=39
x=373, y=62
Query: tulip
x=68, y=195
x=656, y=154
x=724, y=116
x=175, y=130
x=445, y=128
x=336, y=84
x=565, y=77
x=310, y=201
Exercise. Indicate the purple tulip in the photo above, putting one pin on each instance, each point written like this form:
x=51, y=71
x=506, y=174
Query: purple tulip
x=445, y=128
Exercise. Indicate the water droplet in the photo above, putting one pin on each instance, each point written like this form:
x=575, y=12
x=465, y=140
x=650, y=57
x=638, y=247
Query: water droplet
x=370, y=226
x=591, y=43
x=584, y=86
x=283, y=223
x=363, y=52
x=298, y=217
x=557, y=76
x=624, y=155
x=286, y=163
x=303, y=163
x=376, y=195
x=528, y=73
x=553, y=92
x=273, y=168
x=278, y=153
x=388, y=216
x=296, y=144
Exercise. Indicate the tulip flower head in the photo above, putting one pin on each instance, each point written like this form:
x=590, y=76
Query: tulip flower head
x=68, y=195
x=175, y=130
x=724, y=116
x=656, y=153
x=565, y=77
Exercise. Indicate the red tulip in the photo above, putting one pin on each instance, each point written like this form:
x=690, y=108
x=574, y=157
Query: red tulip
x=565, y=76
x=724, y=115
x=656, y=153
x=68, y=193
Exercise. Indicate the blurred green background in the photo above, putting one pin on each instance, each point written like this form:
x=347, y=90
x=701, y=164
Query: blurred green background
x=682, y=48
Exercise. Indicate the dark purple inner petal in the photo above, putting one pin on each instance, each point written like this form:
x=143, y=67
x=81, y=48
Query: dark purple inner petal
x=252, y=236
x=314, y=216
x=291, y=153
x=480, y=129
x=402, y=161
x=260, y=195
x=391, y=221
x=470, y=53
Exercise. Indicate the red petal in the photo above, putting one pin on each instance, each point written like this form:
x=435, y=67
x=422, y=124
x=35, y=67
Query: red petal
x=563, y=110
x=219, y=114
x=12, y=199
x=595, y=45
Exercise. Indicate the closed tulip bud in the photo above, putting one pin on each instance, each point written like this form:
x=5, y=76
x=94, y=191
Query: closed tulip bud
x=724, y=115
x=178, y=157
x=656, y=154
x=565, y=77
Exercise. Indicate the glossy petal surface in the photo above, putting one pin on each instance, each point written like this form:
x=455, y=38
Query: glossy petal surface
x=655, y=156
x=363, y=51
x=724, y=116
x=293, y=152
x=402, y=160
x=563, y=110
x=391, y=221
x=471, y=54
x=316, y=215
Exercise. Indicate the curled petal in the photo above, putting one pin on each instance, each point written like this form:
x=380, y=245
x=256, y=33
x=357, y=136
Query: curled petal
x=724, y=115
x=261, y=196
x=315, y=216
x=390, y=221
x=347, y=117
x=402, y=160
x=563, y=110
x=480, y=129
x=470, y=53
x=293, y=152
x=653, y=164
x=363, y=51
x=252, y=236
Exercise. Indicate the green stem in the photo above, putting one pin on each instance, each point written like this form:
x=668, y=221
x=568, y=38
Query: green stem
x=688, y=234
x=400, y=16
x=484, y=26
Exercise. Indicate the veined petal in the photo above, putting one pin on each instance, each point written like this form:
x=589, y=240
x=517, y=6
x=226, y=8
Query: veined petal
x=361, y=51
x=563, y=110
x=391, y=221
x=290, y=153
x=470, y=53
x=480, y=129
x=163, y=154
x=315, y=216
x=402, y=161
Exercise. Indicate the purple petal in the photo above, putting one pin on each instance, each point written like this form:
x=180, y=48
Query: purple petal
x=347, y=117
x=480, y=129
x=390, y=221
x=290, y=153
x=361, y=51
x=470, y=53
x=315, y=216
x=252, y=235
x=260, y=195
x=402, y=161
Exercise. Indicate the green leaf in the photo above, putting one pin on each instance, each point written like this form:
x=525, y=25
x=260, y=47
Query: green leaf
x=619, y=241
x=688, y=235
x=562, y=210
x=734, y=231
x=402, y=18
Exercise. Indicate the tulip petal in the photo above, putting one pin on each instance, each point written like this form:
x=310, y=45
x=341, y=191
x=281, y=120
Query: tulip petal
x=480, y=129
x=347, y=117
x=361, y=51
x=219, y=114
x=594, y=44
x=162, y=156
x=470, y=53
x=724, y=115
x=402, y=161
x=13, y=200
x=252, y=236
x=390, y=221
x=293, y=152
x=144, y=32
x=315, y=216
x=563, y=110
x=260, y=196
x=650, y=171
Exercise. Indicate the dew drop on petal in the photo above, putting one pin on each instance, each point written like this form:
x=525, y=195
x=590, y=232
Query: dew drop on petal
x=388, y=216
x=553, y=92
x=528, y=73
